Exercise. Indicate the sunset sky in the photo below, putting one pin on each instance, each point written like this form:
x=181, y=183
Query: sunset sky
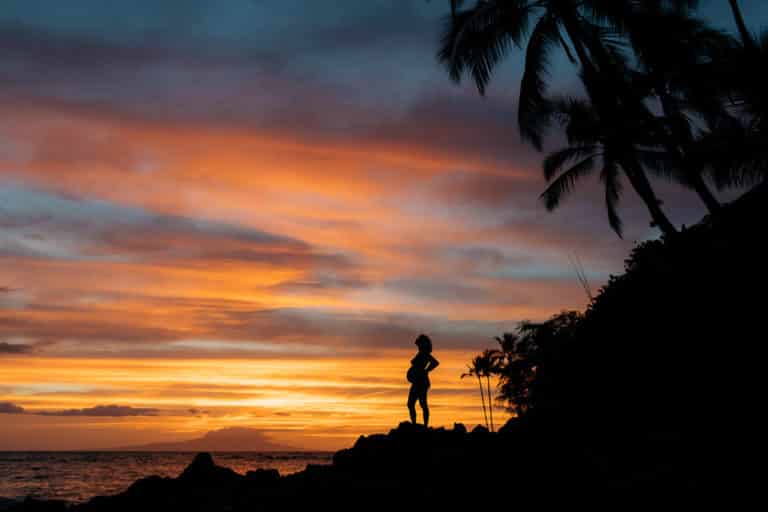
x=242, y=213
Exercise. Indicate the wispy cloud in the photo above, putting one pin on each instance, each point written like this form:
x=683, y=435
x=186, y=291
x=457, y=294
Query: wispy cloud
x=10, y=408
x=14, y=348
x=104, y=411
x=108, y=411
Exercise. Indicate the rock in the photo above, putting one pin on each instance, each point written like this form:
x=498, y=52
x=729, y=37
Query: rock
x=262, y=477
x=512, y=425
x=6, y=503
x=406, y=427
x=204, y=471
x=35, y=505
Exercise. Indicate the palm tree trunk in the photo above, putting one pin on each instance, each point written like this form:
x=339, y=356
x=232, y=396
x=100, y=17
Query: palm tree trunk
x=706, y=195
x=490, y=401
x=482, y=398
x=746, y=37
x=692, y=175
x=636, y=175
x=642, y=186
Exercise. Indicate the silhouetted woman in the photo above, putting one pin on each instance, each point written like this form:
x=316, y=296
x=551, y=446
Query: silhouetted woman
x=418, y=376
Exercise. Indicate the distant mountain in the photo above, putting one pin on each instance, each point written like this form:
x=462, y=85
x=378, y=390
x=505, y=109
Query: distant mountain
x=233, y=439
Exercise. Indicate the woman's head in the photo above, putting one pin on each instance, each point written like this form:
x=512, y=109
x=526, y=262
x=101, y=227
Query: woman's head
x=424, y=343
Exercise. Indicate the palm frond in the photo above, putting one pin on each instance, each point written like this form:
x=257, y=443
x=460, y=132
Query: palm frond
x=609, y=176
x=554, y=163
x=534, y=111
x=582, y=126
x=660, y=163
x=565, y=183
x=475, y=40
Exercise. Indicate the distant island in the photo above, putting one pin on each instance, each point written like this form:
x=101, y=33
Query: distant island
x=233, y=439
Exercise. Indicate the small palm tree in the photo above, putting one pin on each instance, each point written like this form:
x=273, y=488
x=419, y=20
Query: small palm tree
x=485, y=365
x=491, y=360
x=475, y=368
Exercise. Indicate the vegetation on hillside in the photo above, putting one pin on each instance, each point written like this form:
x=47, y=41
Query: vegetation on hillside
x=658, y=373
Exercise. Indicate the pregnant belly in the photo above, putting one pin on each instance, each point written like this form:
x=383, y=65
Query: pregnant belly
x=417, y=377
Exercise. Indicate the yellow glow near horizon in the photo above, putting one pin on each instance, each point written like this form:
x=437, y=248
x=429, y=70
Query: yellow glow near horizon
x=312, y=404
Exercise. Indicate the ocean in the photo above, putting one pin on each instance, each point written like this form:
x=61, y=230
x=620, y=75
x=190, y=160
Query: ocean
x=78, y=476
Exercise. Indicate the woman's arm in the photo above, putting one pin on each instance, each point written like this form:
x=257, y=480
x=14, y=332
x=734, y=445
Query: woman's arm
x=432, y=364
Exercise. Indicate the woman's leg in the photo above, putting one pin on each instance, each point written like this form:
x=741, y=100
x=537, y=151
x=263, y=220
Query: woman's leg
x=412, y=395
x=424, y=406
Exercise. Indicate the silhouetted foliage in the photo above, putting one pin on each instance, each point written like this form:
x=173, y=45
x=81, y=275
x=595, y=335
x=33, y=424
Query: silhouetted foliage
x=666, y=95
x=655, y=380
x=485, y=365
x=528, y=359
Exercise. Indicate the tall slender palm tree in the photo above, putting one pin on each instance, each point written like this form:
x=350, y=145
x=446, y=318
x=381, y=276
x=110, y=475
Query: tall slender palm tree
x=484, y=365
x=475, y=369
x=491, y=359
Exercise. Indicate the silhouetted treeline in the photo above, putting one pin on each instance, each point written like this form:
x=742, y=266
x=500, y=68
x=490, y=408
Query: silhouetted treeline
x=659, y=380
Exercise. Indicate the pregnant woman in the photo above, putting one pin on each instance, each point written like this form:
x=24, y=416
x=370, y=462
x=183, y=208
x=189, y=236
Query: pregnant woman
x=418, y=376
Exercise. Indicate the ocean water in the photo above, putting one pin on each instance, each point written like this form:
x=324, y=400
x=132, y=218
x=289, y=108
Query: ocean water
x=78, y=476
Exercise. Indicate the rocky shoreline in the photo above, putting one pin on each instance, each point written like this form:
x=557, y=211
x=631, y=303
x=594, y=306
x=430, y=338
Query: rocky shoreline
x=410, y=462
x=410, y=467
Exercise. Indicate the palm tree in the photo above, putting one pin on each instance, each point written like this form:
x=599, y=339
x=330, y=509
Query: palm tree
x=607, y=131
x=491, y=359
x=475, y=369
x=477, y=39
x=669, y=47
x=734, y=146
x=747, y=39
x=484, y=365
x=528, y=361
